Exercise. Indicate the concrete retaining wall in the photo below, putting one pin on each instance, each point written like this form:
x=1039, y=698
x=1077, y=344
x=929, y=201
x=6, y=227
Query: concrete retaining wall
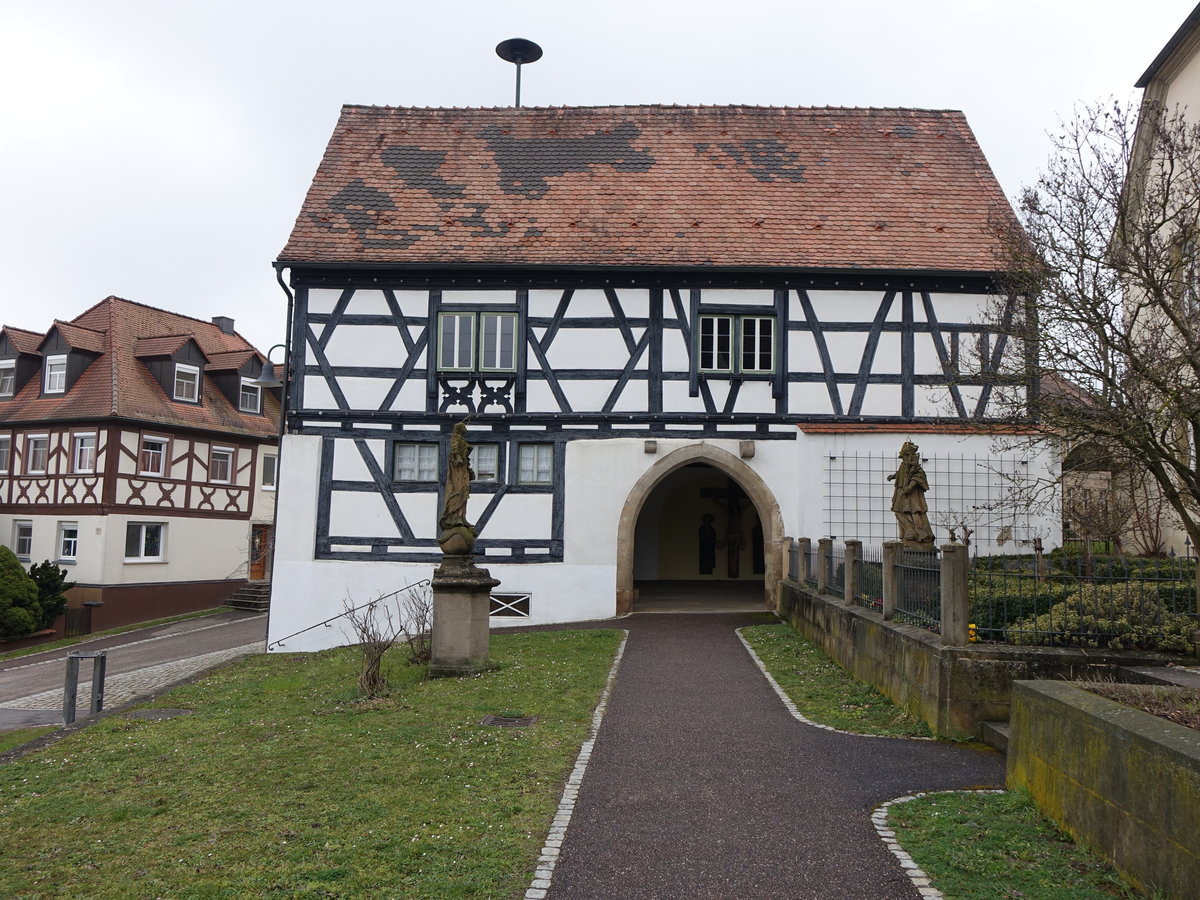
x=953, y=689
x=1117, y=778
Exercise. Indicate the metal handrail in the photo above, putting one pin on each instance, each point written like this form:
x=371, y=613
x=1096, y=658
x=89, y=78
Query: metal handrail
x=280, y=642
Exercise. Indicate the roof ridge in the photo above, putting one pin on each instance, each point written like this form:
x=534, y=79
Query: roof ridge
x=656, y=106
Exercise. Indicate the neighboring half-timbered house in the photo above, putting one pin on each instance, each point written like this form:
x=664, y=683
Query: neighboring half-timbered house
x=680, y=334
x=136, y=451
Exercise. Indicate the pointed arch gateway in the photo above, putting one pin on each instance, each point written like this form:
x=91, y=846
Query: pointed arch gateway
x=750, y=481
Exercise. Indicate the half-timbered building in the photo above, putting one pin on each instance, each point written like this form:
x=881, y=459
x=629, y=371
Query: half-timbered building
x=680, y=334
x=137, y=452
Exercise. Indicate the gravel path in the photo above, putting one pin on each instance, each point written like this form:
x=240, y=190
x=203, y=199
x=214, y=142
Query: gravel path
x=701, y=784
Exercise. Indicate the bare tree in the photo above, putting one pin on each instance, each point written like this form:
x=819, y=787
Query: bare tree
x=1105, y=260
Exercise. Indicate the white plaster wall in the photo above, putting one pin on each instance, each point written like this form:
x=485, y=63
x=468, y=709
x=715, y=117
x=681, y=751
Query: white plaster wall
x=263, y=510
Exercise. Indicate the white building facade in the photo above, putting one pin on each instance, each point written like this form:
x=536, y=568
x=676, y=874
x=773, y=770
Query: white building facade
x=671, y=329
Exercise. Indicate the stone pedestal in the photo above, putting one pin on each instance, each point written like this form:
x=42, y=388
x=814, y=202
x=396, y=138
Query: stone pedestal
x=459, y=640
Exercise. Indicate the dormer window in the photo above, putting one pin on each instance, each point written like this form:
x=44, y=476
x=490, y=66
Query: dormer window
x=250, y=398
x=187, y=383
x=8, y=377
x=55, y=380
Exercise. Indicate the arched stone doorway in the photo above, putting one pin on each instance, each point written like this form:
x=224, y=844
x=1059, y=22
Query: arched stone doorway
x=752, y=487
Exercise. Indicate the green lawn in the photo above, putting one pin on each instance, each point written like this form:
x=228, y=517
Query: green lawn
x=984, y=846
x=281, y=783
x=10, y=739
x=823, y=691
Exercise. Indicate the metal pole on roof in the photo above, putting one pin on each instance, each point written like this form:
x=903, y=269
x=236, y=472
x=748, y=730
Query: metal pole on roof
x=518, y=51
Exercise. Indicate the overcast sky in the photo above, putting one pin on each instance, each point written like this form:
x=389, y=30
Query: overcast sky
x=159, y=150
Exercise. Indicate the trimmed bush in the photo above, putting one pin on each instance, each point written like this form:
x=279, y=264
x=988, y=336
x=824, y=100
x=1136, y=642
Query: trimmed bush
x=20, y=611
x=1126, y=616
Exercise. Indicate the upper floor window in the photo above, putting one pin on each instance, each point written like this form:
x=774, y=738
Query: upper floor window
x=152, y=460
x=744, y=344
x=220, y=468
x=415, y=462
x=485, y=462
x=187, y=383
x=83, y=453
x=8, y=377
x=477, y=342
x=5, y=453
x=23, y=538
x=37, y=452
x=55, y=380
x=270, y=468
x=535, y=464
x=250, y=397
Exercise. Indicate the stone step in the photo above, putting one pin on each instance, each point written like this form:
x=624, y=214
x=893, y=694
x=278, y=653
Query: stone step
x=1176, y=676
x=252, y=597
x=995, y=734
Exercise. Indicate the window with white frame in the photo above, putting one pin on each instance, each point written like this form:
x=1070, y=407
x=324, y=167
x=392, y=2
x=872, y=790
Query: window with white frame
x=535, y=464
x=477, y=341
x=152, y=458
x=270, y=470
x=8, y=377
x=485, y=462
x=37, y=452
x=250, y=398
x=415, y=462
x=68, y=540
x=23, y=538
x=5, y=453
x=145, y=541
x=187, y=383
x=55, y=375
x=83, y=453
x=220, y=466
x=730, y=343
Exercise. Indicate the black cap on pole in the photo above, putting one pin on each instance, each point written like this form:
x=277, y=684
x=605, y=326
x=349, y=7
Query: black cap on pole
x=518, y=51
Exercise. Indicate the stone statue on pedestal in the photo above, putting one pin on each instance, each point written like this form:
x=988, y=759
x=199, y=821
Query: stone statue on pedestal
x=461, y=589
x=908, y=500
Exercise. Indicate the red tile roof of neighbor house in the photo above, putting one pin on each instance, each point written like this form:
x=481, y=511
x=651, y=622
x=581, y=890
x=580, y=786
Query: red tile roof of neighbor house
x=118, y=383
x=24, y=341
x=660, y=186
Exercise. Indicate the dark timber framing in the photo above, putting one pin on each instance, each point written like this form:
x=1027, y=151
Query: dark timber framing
x=498, y=400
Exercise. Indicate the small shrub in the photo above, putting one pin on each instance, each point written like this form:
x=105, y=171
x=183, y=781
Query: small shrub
x=1127, y=616
x=20, y=611
x=52, y=587
x=376, y=630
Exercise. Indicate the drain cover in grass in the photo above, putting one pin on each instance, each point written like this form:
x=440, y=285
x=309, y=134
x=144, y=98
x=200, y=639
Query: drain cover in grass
x=509, y=721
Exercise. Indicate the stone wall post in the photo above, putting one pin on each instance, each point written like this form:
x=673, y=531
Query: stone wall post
x=891, y=583
x=788, y=544
x=824, y=551
x=954, y=595
x=851, y=570
x=804, y=545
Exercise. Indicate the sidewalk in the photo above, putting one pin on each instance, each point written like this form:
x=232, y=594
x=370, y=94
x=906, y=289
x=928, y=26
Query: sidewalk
x=701, y=784
x=136, y=668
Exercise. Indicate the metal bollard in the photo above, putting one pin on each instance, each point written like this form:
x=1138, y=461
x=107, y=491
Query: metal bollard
x=99, y=660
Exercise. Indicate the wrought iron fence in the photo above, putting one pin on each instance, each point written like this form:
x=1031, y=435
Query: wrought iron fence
x=919, y=588
x=1107, y=602
x=869, y=566
x=835, y=571
x=794, y=562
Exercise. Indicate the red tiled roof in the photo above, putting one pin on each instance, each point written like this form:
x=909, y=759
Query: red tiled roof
x=163, y=345
x=24, y=341
x=120, y=384
x=738, y=186
x=79, y=338
x=234, y=359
